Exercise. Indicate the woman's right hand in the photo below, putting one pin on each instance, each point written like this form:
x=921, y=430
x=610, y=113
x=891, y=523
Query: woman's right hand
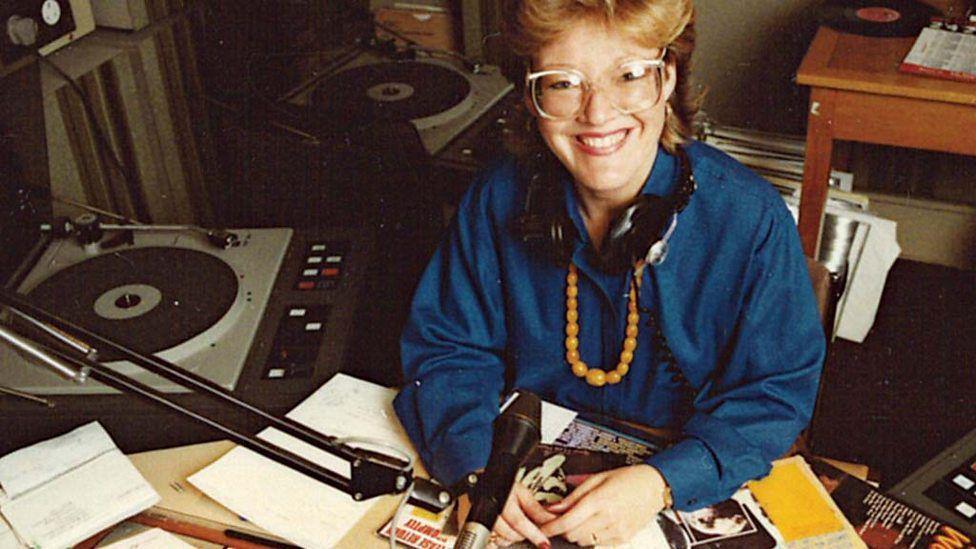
x=520, y=519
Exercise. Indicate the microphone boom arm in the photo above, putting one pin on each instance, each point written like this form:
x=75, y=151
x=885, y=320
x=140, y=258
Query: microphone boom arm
x=371, y=473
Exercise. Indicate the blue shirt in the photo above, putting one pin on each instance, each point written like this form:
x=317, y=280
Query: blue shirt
x=733, y=297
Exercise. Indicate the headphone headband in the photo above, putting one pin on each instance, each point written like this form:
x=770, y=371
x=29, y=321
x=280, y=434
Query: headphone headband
x=638, y=233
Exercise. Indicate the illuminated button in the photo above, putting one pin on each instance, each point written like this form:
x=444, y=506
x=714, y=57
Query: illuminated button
x=318, y=247
x=310, y=272
x=330, y=272
x=297, y=312
x=964, y=482
x=966, y=509
x=313, y=326
x=306, y=285
x=276, y=373
x=314, y=259
x=333, y=259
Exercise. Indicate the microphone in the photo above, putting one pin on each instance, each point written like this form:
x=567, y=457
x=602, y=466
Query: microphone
x=515, y=433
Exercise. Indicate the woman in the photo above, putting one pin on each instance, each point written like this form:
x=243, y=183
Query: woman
x=719, y=339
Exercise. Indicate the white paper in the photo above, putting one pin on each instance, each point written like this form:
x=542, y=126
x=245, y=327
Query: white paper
x=34, y=465
x=555, y=419
x=287, y=503
x=71, y=488
x=151, y=539
x=303, y=511
x=8, y=540
x=80, y=503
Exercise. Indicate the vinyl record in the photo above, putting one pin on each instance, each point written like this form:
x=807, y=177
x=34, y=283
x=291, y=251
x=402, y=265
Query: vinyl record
x=389, y=91
x=891, y=18
x=148, y=299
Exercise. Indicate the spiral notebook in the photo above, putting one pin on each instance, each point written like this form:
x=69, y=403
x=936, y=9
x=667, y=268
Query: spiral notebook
x=944, y=50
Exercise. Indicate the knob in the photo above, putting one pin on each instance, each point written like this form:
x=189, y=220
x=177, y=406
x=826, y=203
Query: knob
x=22, y=31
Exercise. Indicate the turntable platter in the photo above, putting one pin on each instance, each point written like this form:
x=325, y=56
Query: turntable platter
x=149, y=299
x=386, y=91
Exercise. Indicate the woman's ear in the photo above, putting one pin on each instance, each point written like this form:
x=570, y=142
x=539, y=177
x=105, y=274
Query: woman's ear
x=529, y=104
x=670, y=80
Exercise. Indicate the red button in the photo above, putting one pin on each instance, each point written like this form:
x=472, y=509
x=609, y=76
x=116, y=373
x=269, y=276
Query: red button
x=331, y=271
x=306, y=285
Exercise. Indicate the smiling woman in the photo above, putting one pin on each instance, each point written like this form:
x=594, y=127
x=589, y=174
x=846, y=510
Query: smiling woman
x=556, y=278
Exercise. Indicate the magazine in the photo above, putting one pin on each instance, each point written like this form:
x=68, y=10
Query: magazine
x=882, y=521
x=585, y=447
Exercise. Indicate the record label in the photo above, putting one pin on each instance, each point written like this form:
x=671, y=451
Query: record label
x=405, y=90
x=878, y=15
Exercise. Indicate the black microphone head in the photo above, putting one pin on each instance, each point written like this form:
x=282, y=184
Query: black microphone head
x=516, y=431
x=519, y=427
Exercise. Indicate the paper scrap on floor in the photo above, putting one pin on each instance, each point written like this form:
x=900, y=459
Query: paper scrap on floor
x=289, y=504
x=66, y=489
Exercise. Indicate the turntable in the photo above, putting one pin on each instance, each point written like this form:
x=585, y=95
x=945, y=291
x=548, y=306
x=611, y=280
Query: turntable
x=267, y=318
x=440, y=97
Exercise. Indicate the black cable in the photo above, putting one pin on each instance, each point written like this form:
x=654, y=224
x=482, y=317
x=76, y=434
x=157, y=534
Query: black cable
x=101, y=137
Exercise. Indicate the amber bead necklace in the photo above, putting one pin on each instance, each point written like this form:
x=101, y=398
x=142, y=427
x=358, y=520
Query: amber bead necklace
x=596, y=376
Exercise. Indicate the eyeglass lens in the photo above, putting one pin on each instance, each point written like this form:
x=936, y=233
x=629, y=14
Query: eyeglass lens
x=632, y=88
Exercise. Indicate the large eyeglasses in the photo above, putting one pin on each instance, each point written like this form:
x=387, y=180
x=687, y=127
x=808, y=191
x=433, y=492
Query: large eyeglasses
x=560, y=94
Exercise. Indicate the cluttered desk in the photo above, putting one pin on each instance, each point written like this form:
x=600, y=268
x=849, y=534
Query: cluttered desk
x=276, y=322
x=200, y=494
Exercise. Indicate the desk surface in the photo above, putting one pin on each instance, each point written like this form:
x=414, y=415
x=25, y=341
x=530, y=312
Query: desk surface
x=167, y=470
x=866, y=64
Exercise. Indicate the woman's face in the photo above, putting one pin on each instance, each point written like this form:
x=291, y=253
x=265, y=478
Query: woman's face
x=608, y=153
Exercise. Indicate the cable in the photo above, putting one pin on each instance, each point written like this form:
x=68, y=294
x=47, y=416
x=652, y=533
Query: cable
x=100, y=134
x=366, y=441
x=394, y=524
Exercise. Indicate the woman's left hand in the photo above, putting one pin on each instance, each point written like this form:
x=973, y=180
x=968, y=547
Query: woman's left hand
x=609, y=507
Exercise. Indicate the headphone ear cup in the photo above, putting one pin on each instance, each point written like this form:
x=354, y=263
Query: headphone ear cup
x=543, y=224
x=627, y=240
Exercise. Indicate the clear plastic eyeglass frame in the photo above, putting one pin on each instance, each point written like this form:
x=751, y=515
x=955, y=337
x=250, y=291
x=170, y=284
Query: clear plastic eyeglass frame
x=569, y=89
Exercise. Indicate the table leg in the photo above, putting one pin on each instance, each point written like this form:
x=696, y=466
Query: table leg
x=816, y=168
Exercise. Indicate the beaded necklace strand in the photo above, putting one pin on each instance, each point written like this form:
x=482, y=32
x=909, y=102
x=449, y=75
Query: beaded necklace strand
x=596, y=376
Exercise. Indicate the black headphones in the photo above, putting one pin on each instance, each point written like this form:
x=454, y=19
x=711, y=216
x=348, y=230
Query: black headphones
x=641, y=231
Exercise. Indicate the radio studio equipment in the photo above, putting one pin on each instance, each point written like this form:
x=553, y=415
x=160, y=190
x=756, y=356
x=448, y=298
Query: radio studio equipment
x=262, y=313
x=516, y=431
x=71, y=352
x=41, y=25
x=945, y=487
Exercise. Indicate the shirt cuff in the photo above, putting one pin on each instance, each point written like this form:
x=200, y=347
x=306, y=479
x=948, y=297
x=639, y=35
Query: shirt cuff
x=465, y=456
x=689, y=469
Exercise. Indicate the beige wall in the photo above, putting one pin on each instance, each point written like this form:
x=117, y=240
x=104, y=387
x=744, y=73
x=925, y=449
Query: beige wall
x=747, y=56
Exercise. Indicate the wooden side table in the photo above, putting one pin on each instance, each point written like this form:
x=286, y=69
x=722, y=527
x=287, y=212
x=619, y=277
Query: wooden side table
x=857, y=94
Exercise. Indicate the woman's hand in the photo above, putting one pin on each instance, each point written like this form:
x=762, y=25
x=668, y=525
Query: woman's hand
x=609, y=507
x=520, y=519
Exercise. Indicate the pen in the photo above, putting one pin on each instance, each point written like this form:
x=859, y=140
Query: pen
x=226, y=537
x=26, y=396
x=244, y=536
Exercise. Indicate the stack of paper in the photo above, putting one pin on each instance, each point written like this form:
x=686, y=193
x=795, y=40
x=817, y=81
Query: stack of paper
x=291, y=505
x=69, y=488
